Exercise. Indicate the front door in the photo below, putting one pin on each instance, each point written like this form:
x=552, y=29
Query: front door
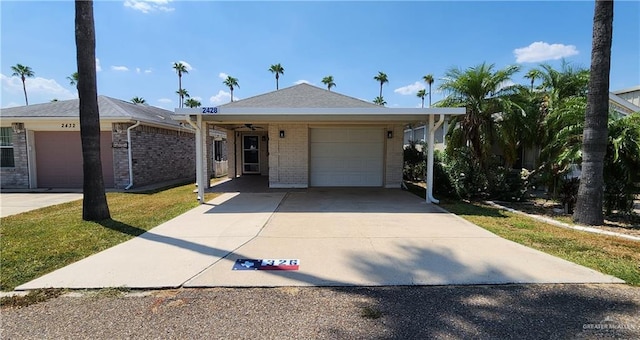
x=250, y=154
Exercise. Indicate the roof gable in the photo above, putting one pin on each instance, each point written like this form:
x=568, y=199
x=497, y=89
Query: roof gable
x=301, y=96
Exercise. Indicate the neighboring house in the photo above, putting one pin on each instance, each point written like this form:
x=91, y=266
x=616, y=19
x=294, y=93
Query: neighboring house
x=41, y=145
x=304, y=136
x=631, y=95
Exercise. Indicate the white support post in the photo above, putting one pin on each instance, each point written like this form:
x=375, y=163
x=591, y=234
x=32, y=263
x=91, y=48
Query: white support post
x=199, y=159
x=432, y=137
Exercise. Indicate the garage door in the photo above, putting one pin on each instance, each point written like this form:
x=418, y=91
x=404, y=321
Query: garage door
x=59, y=159
x=342, y=157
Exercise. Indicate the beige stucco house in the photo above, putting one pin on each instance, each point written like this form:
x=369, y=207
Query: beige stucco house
x=304, y=136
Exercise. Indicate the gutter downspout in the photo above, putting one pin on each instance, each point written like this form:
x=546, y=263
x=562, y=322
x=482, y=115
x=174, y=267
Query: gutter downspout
x=130, y=154
x=432, y=133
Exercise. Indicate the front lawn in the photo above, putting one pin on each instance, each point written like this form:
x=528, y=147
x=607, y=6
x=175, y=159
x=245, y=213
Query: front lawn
x=37, y=242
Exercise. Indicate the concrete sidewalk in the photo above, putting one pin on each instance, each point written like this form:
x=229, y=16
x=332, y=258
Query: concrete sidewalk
x=342, y=237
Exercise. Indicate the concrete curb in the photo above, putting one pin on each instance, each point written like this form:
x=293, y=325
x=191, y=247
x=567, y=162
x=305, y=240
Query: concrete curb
x=564, y=225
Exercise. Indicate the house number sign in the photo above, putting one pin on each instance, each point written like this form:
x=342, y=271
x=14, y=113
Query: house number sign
x=68, y=125
x=209, y=110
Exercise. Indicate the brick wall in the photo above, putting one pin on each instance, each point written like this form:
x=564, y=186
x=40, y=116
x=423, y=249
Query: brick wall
x=18, y=176
x=158, y=155
x=394, y=158
x=289, y=156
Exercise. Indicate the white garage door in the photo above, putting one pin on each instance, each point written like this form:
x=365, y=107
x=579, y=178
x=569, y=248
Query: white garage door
x=350, y=157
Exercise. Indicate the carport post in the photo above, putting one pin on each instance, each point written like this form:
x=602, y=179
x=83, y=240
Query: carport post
x=199, y=159
x=432, y=133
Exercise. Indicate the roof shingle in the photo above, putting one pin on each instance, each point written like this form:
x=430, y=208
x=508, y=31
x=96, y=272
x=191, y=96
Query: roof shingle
x=302, y=96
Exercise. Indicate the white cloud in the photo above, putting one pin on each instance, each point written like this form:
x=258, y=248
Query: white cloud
x=222, y=75
x=98, y=67
x=137, y=70
x=148, y=6
x=38, y=90
x=222, y=97
x=165, y=100
x=542, y=51
x=302, y=81
x=410, y=89
x=119, y=68
x=197, y=98
x=147, y=71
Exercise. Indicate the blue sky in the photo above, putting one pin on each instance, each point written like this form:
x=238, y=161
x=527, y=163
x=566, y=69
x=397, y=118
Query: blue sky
x=137, y=42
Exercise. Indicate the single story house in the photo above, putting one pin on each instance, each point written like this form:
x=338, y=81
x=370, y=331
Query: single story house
x=140, y=145
x=304, y=136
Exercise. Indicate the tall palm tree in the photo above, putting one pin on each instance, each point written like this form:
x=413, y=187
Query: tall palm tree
x=382, y=79
x=192, y=103
x=480, y=89
x=379, y=101
x=594, y=144
x=277, y=69
x=182, y=93
x=73, y=79
x=138, y=100
x=94, y=203
x=328, y=80
x=231, y=82
x=429, y=80
x=180, y=69
x=23, y=72
x=421, y=94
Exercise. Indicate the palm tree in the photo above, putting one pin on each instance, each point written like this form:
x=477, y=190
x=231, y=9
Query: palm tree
x=277, y=69
x=73, y=79
x=594, y=144
x=94, y=203
x=138, y=100
x=23, y=72
x=561, y=84
x=192, y=103
x=379, y=101
x=532, y=75
x=182, y=93
x=480, y=89
x=328, y=80
x=231, y=82
x=382, y=79
x=180, y=69
x=421, y=95
x=429, y=80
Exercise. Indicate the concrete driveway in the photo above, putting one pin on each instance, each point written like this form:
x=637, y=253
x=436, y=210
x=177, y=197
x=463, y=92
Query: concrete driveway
x=17, y=203
x=341, y=237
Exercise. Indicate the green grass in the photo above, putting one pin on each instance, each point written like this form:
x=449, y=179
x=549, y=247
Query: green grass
x=607, y=254
x=37, y=242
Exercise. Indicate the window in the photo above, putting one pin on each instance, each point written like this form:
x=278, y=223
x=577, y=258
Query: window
x=217, y=151
x=6, y=148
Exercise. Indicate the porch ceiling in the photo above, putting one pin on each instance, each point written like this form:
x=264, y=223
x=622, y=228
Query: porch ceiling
x=314, y=115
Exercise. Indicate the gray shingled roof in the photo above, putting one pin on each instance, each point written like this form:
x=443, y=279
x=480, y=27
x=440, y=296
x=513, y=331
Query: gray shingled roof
x=302, y=96
x=108, y=107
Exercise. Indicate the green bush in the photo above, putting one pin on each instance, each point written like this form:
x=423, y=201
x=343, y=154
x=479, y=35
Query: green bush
x=470, y=181
x=414, y=162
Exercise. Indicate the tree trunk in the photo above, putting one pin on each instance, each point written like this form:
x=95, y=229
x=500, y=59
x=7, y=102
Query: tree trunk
x=94, y=205
x=24, y=88
x=588, y=208
x=180, y=98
